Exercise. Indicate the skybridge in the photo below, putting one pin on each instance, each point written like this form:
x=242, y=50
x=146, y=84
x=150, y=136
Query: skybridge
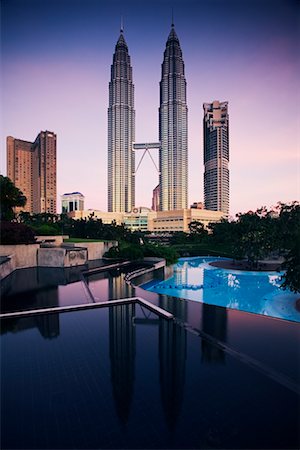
x=147, y=147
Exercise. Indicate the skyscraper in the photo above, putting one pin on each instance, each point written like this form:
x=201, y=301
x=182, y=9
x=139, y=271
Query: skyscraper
x=216, y=156
x=32, y=168
x=121, y=132
x=173, y=160
x=155, y=198
x=20, y=161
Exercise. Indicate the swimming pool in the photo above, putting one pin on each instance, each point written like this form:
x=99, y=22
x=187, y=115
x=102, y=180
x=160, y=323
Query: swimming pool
x=255, y=292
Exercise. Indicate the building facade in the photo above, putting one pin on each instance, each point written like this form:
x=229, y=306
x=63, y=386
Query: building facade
x=73, y=201
x=173, y=158
x=216, y=156
x=32, y=168
x=155, y=198
x=179, y=220
x=121, y=132
x=20, y=157
x=144, y=219
x=106, y=217
x=197, y=205
x=138, y=219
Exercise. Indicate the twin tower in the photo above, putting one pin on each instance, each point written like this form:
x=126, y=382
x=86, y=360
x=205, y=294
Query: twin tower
x=173, y=163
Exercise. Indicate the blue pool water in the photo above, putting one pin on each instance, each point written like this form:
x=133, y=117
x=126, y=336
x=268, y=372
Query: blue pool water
x=255, y=292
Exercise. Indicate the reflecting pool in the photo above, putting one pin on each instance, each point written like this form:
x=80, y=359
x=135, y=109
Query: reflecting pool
x=255, y=292
x=122, y=377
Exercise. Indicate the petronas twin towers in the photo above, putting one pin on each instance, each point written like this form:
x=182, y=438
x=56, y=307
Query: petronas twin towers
x=121, y=132
x=172, y=130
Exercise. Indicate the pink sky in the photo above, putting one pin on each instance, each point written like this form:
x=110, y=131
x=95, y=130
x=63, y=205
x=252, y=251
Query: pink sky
x=67, y=92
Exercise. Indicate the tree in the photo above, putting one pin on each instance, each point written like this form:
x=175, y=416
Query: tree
x=253, y=237
x=288, y=225
x=289, y=239
x=223, y=231
x=197, y=228
x=10, y=197
x=291, y=278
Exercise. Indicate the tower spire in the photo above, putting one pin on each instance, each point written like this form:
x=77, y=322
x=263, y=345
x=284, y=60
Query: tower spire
x=172, y=24
x=122, y=25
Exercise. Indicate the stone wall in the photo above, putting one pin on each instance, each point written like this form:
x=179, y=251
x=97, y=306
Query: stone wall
x=7, y=266
x=55, y=240
x=31, y=255
x=61, y=257
x=25, y=254
x=95, y=250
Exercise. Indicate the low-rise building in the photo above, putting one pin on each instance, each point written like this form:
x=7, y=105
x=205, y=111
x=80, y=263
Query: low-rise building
x=197, y=205
x=73, y=201
x=144, y=219
x=179, y=220
x=138, y=219
x=106, y=217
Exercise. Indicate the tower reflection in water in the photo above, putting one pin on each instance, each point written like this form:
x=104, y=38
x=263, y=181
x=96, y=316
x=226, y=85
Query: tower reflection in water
x=214, y=323
x=172, y=358
x=122, y=346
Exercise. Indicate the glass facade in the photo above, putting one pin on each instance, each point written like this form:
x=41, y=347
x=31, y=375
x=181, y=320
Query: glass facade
x=121, y=132
x=173, y=158
x=216, y=156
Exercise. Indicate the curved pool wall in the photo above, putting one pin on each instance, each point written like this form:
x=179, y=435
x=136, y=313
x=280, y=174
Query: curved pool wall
x=255, y=292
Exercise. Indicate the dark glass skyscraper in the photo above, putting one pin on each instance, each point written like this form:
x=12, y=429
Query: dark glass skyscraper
x=216, y=156
x=173, y=160
x=121, y=132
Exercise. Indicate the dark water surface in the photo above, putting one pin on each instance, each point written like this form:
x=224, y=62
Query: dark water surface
x=122, y=377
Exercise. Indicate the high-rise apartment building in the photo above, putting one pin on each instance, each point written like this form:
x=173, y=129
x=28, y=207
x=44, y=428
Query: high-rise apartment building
x=121, y=132
x=173, y=158
x=20, y=161
x=216, y=156
x=32, y=168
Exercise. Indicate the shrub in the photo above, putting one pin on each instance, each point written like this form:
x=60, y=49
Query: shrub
x=45, y=230
x=113, y=253
x=136, y=252
x=16, y=233
x=161, y=251
x=125, y=251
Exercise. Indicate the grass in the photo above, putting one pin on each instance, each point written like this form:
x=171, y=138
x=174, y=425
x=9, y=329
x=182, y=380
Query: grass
x=77, y=240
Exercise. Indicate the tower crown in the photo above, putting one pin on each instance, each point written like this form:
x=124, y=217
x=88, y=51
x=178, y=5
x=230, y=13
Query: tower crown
x=121, y=43
x=172, y=36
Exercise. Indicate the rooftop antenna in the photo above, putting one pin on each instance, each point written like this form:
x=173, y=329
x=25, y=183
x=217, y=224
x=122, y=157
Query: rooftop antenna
x=172, y=25
x=122, y=25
